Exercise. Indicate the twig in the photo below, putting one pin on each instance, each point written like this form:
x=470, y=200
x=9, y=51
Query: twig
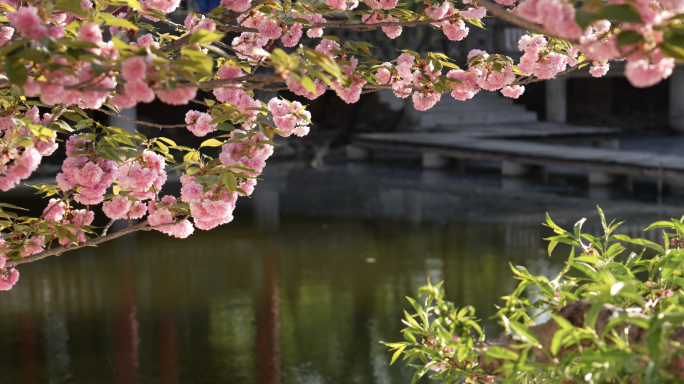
x=199, y=102
x=106, y=228
x=141, y=122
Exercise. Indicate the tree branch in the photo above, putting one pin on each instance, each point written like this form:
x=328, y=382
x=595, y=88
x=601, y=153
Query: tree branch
x=344, y=25
x=497, y=11
x=141, y=122
x=144, y=226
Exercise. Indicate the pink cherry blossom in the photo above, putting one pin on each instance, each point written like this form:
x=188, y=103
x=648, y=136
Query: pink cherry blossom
x=455, y=30
x=285, y=119
x=237, y=5
x=297, y=88
x=468, y=86
x=133, y=68
x=437, y=12
x=139, y=91
x=344, y=5
x=270, y=29
x=55, y=210
x=191, y=193
x=163, y=6
x=294, y=33
x=6, y=35
x=117, y=208
x=642, y=73
x=474, y=13
x=513, y=91
x=423, y=102
x=383, y=75
x=137, y=211
x=382, y=4
x=27, y=23
x=199, y=123
x=599, y=69
x=178, y=96
x=90, y=32
x=8, y=279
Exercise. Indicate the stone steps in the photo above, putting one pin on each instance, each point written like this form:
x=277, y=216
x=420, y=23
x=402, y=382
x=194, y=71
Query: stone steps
x=446, y=120
x=484, y=108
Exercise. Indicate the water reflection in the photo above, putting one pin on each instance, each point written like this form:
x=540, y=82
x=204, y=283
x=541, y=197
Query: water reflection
x=286, y=294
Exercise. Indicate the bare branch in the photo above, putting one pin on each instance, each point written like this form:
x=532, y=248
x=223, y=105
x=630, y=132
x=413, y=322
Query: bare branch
x=106, y=228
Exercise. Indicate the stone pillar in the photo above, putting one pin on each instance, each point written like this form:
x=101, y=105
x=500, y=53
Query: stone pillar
x=357, y=153
x=434, y=160
x=677, y=100
x=556, y=100
x=513, y=169
x=131, y=113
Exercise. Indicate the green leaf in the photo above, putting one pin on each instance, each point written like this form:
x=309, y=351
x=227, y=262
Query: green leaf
x=557, y=340
x=221, y=119
x=225, y=127
x=625, y=13
x=397, y=354
x=501, y=353
x=204, y=36
x=211, y=143
x=660, y=224
x=71, y=6
x=628, y=38
x=16, y=72
x=308, y=84
x=115, y=21
x=641, y=242
x=588, y=270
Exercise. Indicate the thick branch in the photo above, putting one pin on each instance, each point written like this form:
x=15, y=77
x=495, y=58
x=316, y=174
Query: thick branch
x=520, y=80
x=144, y=226
x=497, y=11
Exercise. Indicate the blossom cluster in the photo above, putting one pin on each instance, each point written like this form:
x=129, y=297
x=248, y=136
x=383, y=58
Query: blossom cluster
x=542, y=61
x=92, y=175
x=286, y=119
x=18, y=162
x=59, y=212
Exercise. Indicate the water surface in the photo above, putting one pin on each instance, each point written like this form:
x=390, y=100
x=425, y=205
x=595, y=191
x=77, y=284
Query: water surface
x=301, y=286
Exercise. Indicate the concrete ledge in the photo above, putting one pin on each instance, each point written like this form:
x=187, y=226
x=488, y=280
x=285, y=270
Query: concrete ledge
x=601, y=178
x=434, y=161
x=513, y=169
x=355, y=153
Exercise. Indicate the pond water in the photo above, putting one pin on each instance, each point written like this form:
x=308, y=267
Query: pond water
x=301, y=286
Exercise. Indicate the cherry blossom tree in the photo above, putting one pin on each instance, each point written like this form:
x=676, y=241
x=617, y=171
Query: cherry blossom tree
x=63, y=58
